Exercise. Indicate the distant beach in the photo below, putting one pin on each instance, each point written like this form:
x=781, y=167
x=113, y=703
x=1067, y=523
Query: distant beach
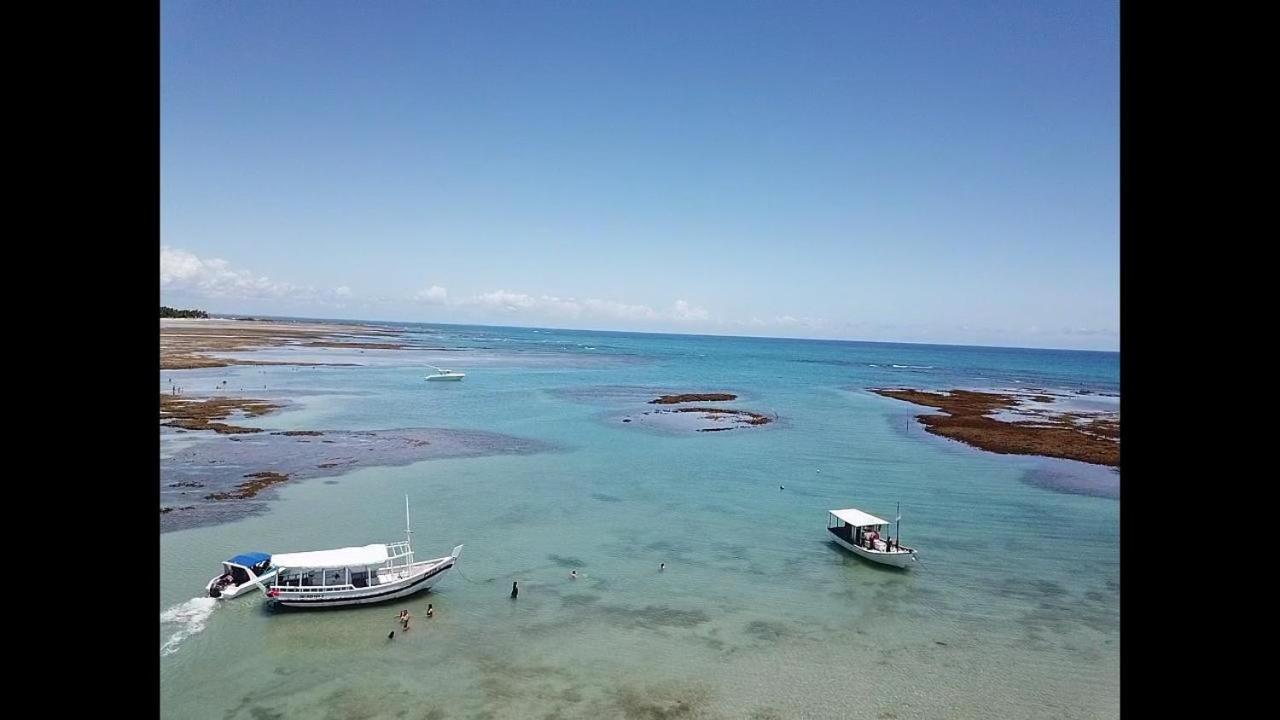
x=190, y=343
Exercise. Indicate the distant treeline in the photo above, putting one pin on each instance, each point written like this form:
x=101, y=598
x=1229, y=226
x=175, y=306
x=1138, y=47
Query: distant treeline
x=168, y=312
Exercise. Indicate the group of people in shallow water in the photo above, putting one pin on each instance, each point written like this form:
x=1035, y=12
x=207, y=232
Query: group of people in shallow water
x=404, y=617
x=573, y=575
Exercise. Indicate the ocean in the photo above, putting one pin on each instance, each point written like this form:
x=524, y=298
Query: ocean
x=1012, y=610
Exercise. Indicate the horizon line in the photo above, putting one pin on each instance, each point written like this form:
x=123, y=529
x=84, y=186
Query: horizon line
x=213, y=315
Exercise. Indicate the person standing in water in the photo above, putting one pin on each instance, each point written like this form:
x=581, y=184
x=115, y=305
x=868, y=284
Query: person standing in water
x=514, y=590
x=431, y=612
x=573, y=574
x=662, y=566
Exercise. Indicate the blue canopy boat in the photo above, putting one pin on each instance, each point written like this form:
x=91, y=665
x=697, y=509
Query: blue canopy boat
x=240, y=573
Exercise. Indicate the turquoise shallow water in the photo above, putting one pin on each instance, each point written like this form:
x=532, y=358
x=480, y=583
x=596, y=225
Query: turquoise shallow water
x=1012, y=612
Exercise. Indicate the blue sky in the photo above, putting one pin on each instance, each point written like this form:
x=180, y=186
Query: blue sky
x=923, y=172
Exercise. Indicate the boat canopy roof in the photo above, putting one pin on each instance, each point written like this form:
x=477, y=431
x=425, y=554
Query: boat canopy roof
x=339, y=558
x=857, y=518
x=250, y=559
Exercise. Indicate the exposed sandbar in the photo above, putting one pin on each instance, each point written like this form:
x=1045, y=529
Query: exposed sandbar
x=1078, y=436
x=746, y=417
x=188, y=344
x=693, y=397
x=202, y=414
x=700, y=419
x=256, y=483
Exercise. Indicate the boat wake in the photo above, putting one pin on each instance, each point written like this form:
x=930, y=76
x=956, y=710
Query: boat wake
x=190, y=618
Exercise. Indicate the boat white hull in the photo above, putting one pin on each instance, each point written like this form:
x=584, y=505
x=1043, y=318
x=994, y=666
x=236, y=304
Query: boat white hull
x=439, y=378
x=898, y=559
x=421, y=576
x=231, y=591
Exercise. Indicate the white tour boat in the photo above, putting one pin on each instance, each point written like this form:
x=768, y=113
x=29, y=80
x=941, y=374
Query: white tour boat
x=443, y=374
x=859, y=533
x=240, y=573
x=356, y=575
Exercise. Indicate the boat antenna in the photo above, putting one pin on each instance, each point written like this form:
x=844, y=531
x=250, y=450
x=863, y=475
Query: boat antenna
x=433, y=367
x=898, y=520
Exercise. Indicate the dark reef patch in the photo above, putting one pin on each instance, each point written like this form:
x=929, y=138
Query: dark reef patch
x=222, y=465
x=766, y=630
x=970, y=417
x=661, y=702
x=693, y=397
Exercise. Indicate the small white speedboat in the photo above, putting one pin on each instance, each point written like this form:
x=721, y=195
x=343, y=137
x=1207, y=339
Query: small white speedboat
x=859, y=533
x=443, y=374
x=240, y=573
x=356, y=575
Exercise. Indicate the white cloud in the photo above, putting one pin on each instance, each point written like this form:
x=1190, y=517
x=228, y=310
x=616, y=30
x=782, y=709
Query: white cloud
x=685, y=312
x=552, y=307
x=622, y=311
x=784, y=322
x=503, y=300
x=177, y=266
x=434, y=295
x=1102, y=332
x=514, y=303
x=184, y=271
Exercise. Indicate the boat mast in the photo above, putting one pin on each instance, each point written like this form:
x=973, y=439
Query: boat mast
x=407, y=532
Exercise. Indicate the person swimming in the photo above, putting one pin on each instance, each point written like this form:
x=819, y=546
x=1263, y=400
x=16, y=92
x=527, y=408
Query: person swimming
x=662, y=566
x=573, y=574
x=430, y=610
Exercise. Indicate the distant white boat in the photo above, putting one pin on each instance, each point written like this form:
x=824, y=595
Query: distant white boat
x=240, y=573
x=356, y=575
x=443, y=374
x=859, y=533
